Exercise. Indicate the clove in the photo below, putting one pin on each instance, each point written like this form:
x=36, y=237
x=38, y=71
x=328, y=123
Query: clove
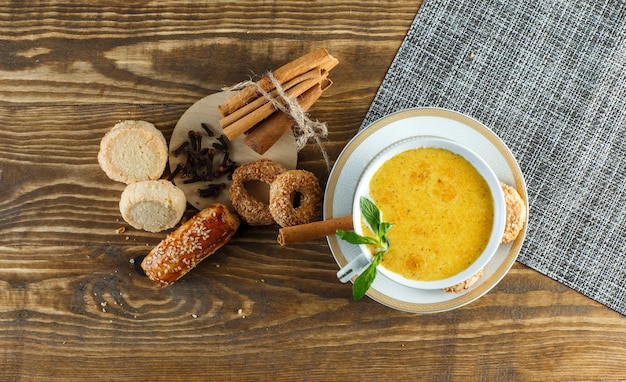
x=180, y=148
x=178, y=168
x=212, y=190
x=206, y=128
x=199, y=164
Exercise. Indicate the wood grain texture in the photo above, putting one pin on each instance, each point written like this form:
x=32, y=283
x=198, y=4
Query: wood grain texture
x=72, y=305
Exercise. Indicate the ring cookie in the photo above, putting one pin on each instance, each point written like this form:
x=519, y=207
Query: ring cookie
x=133, y=151
x=515, y=213
x=152, y=205
x=287, y=184
x=252, y=210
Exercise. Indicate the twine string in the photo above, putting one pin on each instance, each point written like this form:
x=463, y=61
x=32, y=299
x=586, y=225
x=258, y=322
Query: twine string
x=305, y=129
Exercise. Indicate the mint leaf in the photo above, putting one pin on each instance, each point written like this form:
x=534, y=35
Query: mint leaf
x=371, y=214
x=373, y=218
x=382, y=233
x=354, y=238
x=365, y=280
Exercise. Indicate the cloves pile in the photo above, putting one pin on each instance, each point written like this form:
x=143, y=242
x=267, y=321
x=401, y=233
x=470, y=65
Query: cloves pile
x=204, y=164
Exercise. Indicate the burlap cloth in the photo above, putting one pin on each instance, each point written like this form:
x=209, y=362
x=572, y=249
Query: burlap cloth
x=549, y=77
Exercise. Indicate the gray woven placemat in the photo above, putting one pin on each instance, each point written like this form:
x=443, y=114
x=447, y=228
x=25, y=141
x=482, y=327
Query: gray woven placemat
x=549, y=77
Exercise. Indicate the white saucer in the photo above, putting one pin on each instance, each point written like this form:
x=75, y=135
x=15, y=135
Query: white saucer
x=432, y=122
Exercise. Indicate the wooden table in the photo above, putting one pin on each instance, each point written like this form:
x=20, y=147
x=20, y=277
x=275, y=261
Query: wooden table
x=72, y=307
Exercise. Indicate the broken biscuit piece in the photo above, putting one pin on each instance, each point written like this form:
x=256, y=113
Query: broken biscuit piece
x=515, y=213
x=464, y=285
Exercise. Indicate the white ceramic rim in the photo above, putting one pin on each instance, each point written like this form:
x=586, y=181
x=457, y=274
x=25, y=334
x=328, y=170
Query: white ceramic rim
x=484, y=170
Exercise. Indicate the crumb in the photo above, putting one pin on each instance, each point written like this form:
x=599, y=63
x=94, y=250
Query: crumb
x=132, y=261
x=194, y=316
x=240, y=311
x=120, y=230
x=127, y=237
x=217, y=265
x=262, y=280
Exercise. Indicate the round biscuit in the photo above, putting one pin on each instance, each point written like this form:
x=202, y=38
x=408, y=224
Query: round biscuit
x=133, y=151
x=152, y=205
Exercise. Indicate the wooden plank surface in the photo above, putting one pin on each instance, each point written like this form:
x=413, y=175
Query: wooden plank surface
x=72, y=306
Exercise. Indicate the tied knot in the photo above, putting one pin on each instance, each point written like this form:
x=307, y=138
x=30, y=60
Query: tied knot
x=304, y=129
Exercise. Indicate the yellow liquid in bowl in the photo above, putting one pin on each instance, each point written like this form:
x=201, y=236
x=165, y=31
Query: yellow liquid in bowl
x=441, y=209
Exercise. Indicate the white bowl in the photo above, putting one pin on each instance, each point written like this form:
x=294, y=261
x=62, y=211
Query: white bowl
x=483, y=169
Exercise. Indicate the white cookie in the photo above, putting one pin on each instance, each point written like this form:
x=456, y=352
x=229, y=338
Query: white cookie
x=133, y=151
x=152, y=205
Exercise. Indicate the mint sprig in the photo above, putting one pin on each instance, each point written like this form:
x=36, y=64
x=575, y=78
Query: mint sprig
x=373, y=218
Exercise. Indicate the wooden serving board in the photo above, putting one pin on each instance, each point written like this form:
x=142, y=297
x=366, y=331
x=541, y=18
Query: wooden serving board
x=205, y=111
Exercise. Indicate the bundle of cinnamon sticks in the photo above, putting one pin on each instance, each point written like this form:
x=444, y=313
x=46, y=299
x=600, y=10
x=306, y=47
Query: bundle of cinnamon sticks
x=252, y=113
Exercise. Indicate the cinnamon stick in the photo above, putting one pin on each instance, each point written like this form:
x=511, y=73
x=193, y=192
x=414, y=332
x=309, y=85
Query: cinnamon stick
x=315, y=230
x=319, y=58
x=267, y=132
x=316, y=74
x=244, y=124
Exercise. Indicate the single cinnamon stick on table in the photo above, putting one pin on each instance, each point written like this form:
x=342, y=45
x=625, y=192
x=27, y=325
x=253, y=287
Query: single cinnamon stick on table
x=315, y=230
x=267, y=132
x=319, y=58
x=244, y=124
